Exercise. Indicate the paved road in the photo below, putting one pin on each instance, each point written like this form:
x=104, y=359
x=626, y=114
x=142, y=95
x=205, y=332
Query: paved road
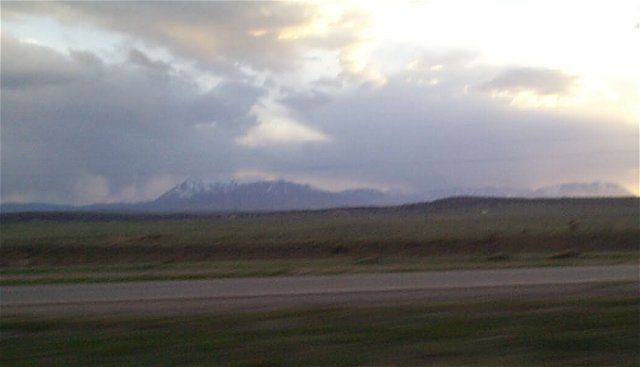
x=360, y=289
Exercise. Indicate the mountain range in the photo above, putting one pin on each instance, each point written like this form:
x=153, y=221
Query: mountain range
x=260, y=196
x=200, y=196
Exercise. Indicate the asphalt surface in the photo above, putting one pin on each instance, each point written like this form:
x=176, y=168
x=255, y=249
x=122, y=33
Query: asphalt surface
x=177, y=297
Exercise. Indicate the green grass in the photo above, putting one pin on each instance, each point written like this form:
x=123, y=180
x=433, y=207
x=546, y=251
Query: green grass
x=344, y=229
x=587, y=332
x=413, y=232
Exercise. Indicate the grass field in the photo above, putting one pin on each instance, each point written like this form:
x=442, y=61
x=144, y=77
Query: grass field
x=449, y=234
x=584, y=332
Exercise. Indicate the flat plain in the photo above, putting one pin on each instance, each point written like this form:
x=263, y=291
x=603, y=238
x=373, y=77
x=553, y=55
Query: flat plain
x=459, y=233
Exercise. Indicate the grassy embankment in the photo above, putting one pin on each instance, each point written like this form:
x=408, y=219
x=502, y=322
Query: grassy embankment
x=586, y=332
x=453, y=234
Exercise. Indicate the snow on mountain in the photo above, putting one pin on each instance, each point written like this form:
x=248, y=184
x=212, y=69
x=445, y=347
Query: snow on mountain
x=191, y=188
x=568, y=190
x=194, y=195
x=261, y=196
x=593, y=189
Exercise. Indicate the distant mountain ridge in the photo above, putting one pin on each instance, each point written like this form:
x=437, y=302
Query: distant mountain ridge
x=200, y=196
x=190, y=188
x=566, y=190
x=593, y=189
x=35, y=207
x=260, y=196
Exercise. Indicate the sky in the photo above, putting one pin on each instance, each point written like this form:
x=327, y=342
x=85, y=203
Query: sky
x=120, y=101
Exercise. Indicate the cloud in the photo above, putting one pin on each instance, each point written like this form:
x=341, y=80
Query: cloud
x=137, y=57
x=127, y=131
x=291, y=90
x=120, y=125
x=220, y=35
x=420, y=136
x=278, y=127
x=537, y=80
x=23, y=66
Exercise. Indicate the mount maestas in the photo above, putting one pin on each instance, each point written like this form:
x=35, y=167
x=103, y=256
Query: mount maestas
x=259, y=196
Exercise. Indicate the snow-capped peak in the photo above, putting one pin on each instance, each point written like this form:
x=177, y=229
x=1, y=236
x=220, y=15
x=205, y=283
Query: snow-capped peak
x=190, y=188
x=261, y=195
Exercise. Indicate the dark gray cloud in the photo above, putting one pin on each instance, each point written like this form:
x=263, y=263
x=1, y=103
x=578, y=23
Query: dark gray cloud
x=537, y=80
x=123, y=123
x=137, y=57
x=424, y=136
x=32, y=65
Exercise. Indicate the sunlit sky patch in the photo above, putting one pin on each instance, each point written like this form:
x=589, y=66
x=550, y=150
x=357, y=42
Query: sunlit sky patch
x=387, y=95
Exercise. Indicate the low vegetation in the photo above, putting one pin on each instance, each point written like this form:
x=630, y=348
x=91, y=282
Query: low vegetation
x=584, y=332
x=465, y=231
